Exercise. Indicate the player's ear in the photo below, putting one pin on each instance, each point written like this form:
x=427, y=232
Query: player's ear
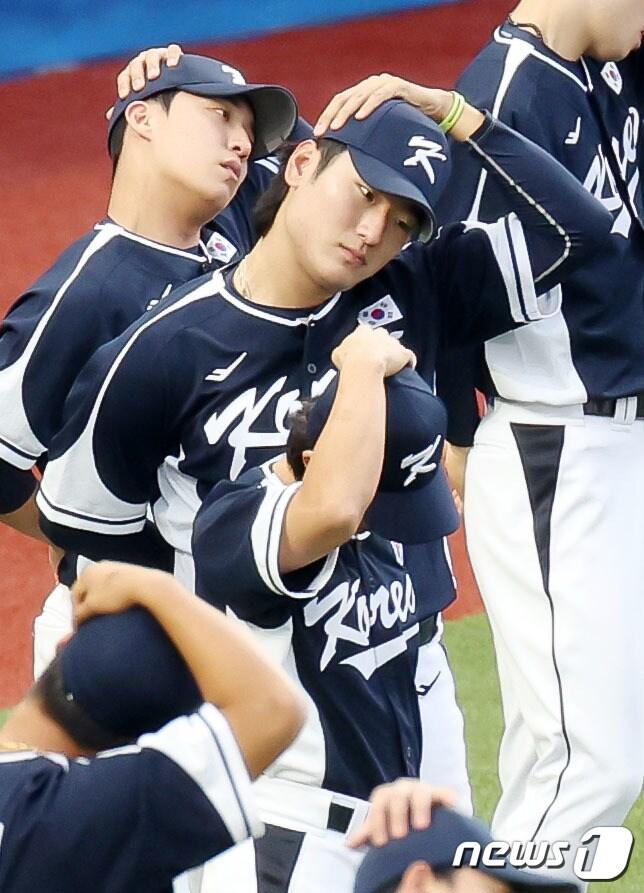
x=138, y=116
x=302, y=164
x=306, y=457
x=419, y=878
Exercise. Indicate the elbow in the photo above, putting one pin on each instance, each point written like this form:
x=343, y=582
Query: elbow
x=289, y=710
x=280, y=715
x=340, y=520
x=594, y=237
x=57, y=534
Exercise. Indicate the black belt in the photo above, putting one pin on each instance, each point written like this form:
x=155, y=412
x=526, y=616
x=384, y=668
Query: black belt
x=427, y=630
x=606, y=406
x=339, y=818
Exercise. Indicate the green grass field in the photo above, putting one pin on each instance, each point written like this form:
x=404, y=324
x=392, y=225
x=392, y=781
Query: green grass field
x=471, y=655
x=472, y=658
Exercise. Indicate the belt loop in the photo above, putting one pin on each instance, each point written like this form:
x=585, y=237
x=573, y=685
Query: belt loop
x=625, y=411
x=359, y=817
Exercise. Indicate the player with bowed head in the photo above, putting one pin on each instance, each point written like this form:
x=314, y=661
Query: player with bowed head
x=418, y=845
x=303, y=545
x=119, y=739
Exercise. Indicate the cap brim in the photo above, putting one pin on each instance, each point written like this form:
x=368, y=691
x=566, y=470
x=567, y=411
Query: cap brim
x=274, y=108
x=386, y=179
x=417, y=516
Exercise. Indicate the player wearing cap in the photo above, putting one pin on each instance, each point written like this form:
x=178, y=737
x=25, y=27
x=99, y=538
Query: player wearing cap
x=554, y=502
x=417, y=844
x=132, y=258
x=165, y=190
x=171, y=798
x=200, y=388
x=303, y=548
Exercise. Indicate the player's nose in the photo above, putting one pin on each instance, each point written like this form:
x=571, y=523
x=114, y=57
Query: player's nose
x=372, y=225
x=240, y=142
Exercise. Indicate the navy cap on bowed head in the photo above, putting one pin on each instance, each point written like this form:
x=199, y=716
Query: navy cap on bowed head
x=126, y=674
x=399, y=150
x=275, y=108
x=414, y=503
x=437, y=845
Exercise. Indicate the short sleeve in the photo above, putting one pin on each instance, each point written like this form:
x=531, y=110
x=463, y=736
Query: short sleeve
x=204, y=748
x=236, y=544
x=155, y=809
x=103, y=462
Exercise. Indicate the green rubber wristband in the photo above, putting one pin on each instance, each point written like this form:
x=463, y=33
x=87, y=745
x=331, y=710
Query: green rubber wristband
x=455, y=113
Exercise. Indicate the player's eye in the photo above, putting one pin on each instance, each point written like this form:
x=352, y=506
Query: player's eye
x=366, y=192
x=225, y=114
x=407, y=226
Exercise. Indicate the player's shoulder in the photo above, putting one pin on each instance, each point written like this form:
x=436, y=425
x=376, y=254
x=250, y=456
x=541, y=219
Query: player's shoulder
x=242, y=496
x=68, y=264
x=189, y=311
x=515, y=68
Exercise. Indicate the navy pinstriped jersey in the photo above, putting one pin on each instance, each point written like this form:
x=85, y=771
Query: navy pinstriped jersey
x=589, y=116
x=345, y=628
x=92, y=293
x=129, y=819
x=199, y=390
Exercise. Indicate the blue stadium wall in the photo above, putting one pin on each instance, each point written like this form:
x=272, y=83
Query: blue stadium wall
x=40, y=35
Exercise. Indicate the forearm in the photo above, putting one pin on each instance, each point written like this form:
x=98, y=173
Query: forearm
x=26, y=520
x=563, y=222
x=347, y=462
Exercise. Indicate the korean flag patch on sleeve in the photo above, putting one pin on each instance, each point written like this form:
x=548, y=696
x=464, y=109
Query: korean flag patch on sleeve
x=380, y=313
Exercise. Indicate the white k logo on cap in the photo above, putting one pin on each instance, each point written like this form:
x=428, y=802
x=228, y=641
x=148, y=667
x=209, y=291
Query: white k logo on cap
x=421, y=463
x=425, y=149
x=237, y=76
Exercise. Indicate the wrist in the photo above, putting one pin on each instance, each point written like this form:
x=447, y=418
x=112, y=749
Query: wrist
x=160, y=587
x=365, y=364
x=447, y=100
x=467, y=125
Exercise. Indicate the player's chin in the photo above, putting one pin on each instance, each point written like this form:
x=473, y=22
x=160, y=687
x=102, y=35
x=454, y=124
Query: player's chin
x=342, y=276
x=220, y=194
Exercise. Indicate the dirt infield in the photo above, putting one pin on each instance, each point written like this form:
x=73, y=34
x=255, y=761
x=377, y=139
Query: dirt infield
x=55, y=174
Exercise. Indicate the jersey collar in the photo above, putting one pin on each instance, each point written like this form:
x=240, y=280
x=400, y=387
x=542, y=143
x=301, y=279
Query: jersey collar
x=577, y=72
x=200, y=255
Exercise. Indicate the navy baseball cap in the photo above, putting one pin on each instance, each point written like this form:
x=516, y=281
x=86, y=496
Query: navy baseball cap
x=437, y=845
x=126, y=674
x=275, y=108
x=399, y=150
x=414, y=503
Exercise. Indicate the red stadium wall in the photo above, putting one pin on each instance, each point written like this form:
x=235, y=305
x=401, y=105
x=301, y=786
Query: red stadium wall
x=54, y=180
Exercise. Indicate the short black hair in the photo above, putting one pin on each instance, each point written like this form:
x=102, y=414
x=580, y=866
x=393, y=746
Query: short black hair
x=299, y=439
x=269, y=203
x=115, y=146
x=49, y=689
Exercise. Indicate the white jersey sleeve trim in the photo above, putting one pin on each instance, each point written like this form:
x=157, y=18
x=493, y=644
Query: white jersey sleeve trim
x=18, y=443
x=266, y=535
x=204, y=746
x=72, y=492
x=516, y=55
x=567, y=244
x=507, y=240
